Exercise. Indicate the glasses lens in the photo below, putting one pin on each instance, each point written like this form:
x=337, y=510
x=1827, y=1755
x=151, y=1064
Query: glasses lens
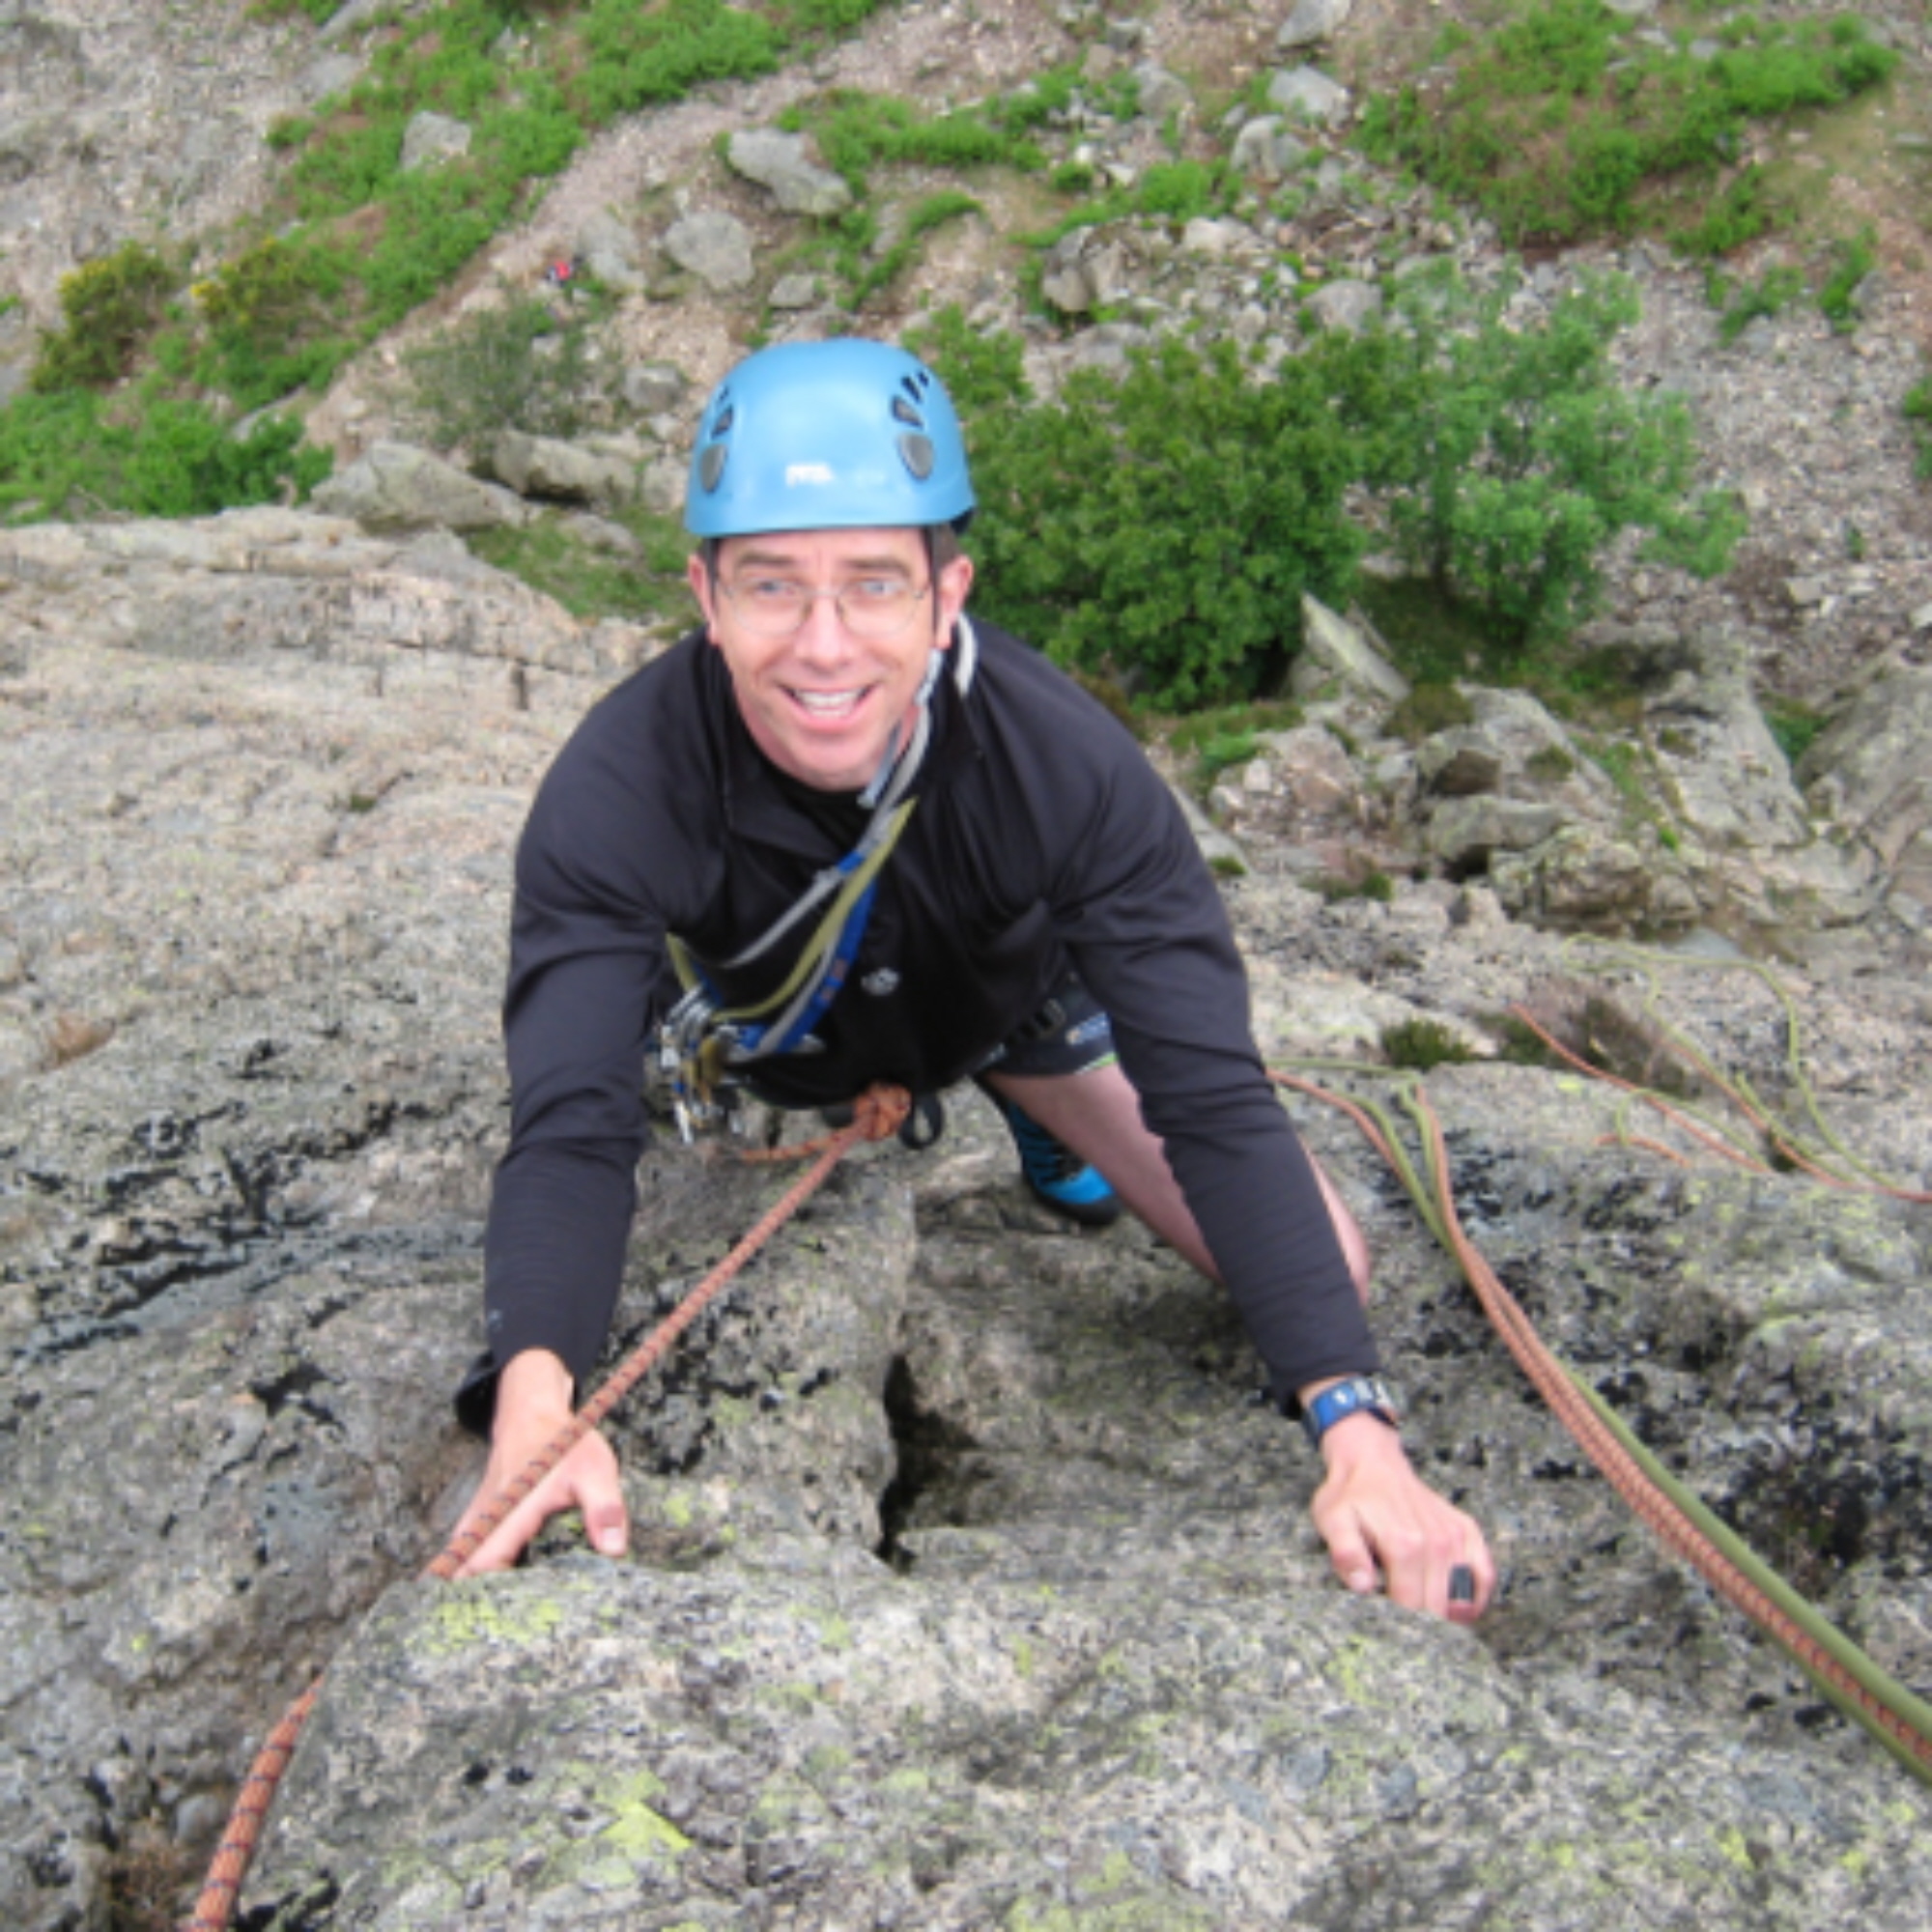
x=877, y=607
x=869, y=607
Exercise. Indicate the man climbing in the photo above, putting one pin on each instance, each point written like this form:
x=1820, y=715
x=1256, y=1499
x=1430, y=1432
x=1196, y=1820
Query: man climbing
x=843, y=833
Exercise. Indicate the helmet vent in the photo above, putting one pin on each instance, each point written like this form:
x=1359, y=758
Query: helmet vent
x=917, y=452
x=723, y=426
x=711, y=465
x=903, y=411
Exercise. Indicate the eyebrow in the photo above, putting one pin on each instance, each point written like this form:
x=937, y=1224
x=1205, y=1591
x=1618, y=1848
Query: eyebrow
x=778, y=559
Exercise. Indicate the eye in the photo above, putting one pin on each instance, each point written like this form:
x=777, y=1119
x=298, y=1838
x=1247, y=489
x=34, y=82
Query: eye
x=875, y=589
x=770, y=590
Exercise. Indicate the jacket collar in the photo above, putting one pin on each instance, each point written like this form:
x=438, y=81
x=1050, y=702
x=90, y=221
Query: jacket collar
x=754, y=805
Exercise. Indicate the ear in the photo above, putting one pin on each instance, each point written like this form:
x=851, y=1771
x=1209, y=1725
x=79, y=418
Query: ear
x=704, y=590
x=953, y=583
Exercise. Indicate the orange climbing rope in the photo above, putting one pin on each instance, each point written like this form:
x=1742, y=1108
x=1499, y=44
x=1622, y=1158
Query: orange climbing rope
x=878, y=1113
x=1896, y=1719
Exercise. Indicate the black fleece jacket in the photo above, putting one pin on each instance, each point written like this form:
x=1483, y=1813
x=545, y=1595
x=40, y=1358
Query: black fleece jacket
x=1042, y=839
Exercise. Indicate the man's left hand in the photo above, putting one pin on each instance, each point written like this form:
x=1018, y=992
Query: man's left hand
x=1381, y=1521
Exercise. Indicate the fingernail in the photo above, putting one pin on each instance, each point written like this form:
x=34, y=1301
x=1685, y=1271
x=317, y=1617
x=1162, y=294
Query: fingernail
x=1461, y=1584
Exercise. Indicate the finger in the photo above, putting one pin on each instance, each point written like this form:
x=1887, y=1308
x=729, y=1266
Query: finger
x=600, y=1496
x=1349, y=1553
x=506, y=1541
x=1472, y=1584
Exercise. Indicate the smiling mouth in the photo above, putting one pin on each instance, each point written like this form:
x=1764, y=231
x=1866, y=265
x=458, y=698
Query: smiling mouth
x=831, y=703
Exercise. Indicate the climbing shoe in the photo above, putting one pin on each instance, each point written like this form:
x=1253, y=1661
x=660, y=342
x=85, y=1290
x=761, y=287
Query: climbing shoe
x=1056, y=1173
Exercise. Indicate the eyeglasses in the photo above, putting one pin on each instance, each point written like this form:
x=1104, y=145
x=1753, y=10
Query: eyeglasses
x=873, y=608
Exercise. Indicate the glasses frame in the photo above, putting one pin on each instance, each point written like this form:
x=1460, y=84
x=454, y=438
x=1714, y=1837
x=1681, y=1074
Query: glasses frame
x=734, y=596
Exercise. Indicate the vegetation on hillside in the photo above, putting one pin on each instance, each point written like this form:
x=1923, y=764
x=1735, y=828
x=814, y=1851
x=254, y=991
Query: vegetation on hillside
x=1499, y=461
x=1161, y=527
x=1564, y=120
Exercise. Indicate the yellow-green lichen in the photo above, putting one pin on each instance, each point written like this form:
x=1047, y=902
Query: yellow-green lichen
x=1731, y=1843
x=643, y=1833
x=461, y=1617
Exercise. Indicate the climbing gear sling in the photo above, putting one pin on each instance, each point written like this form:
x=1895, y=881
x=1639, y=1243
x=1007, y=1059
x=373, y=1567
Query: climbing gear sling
x=703, y=1045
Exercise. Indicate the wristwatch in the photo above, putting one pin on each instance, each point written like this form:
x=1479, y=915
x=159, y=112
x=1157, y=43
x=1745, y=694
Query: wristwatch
x=1358, y=1393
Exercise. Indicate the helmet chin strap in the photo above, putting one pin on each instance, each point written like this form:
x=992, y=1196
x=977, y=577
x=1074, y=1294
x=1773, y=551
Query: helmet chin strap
x=889, y=778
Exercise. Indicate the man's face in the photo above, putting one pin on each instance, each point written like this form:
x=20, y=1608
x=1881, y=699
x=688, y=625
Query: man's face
x=821, y=704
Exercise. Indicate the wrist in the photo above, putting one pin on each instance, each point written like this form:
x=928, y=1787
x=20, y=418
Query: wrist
x=1352, y=1403
x=534, y=1383
x=1361, y=1442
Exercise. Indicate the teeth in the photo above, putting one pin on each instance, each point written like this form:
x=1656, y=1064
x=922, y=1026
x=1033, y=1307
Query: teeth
x=828, y=700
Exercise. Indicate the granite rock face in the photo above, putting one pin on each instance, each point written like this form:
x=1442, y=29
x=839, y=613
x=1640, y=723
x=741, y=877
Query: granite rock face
x=969, y=1585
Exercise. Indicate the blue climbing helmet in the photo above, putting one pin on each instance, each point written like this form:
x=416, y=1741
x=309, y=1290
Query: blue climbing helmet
x=821, y=436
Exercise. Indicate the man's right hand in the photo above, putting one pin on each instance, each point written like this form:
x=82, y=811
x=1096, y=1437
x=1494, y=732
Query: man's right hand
x=533, y=1406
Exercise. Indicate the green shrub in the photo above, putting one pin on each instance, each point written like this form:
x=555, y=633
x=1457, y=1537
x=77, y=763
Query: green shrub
x=1793, y=726
x=1856, y=259
x=1778, y=286
x=1562, y=123
x=1429, y=708
x=513, y=365
x=590, y=582
x=1916, y=406
x=1162, y=525
x=1423, y=1044
x=110, y=309
x=1740, y=212
x=1512, y=457
x=66, y=452
x=865, y=271
x=1375, y=886
x=856, y=130
x=274, y=320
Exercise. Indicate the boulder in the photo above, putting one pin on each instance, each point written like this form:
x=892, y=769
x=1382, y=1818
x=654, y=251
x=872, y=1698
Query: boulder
x=432, y=138
x=795, y=291
x=569, y=473
x=1334, y=653
x=655, y=389
x=1346, y=304
x=1085, y=270
x=1159, y=91
x=1467, y=833
x=608, y=246
x=1585, y=876
x=1307, y=95
x=783, y=164
x=394, y=486
x=714, y=247
x=1312, y=22
x=1265, y=148
x=1872, y=771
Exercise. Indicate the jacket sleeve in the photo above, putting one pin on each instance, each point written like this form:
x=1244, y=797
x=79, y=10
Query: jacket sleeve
x=587, y=969
x=1144, y=925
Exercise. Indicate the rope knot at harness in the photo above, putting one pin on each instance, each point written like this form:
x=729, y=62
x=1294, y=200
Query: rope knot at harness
x=881, y=1111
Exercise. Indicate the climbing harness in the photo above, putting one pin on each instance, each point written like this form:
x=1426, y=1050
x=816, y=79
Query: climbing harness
x=703, y=1046
x=877, y=1114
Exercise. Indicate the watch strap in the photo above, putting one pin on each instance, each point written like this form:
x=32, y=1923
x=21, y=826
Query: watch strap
x=1355, y=1396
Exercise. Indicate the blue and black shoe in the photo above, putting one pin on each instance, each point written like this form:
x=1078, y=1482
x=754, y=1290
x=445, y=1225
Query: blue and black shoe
x=1057, y=1174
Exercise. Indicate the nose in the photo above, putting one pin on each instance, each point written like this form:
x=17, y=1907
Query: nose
x=823, y=633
